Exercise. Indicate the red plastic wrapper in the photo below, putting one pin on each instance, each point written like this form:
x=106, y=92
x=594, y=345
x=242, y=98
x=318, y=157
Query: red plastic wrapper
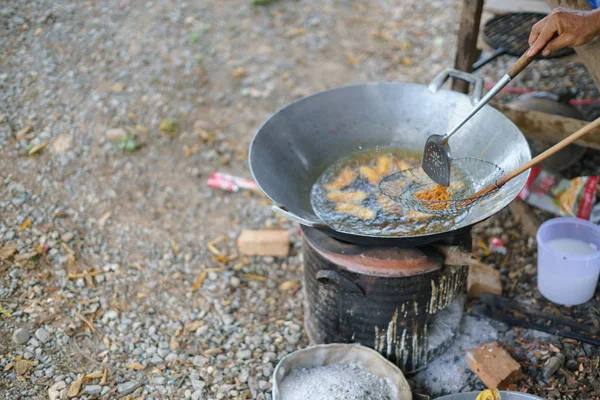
x=497, y=246
x=551, y=192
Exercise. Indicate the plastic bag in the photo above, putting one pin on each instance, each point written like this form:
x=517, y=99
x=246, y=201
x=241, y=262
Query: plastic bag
x=551, y=192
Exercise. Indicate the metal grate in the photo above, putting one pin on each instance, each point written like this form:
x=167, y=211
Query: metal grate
x=510, y=32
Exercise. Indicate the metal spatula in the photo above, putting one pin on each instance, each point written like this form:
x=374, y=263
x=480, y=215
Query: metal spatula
x=436, y=155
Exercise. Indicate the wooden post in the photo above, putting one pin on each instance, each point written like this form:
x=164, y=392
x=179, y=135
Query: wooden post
x=466, y=53
x=590, y=53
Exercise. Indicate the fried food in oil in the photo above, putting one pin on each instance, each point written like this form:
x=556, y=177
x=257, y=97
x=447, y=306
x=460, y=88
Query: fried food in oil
x=388, y=205
x=493, y=394
x=355, y=210
x=384, y=166
x=351, y=196
x=402, y=165
x=415, y=216
x=437, y=193
x=344, y=179
x=369, y=174
x=456, y=186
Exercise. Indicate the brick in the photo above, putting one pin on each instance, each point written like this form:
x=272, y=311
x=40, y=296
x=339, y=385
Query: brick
x=483, y=279
x=264, y=243
x=494, y=366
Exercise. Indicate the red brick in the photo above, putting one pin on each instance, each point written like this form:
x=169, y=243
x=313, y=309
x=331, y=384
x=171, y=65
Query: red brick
x=494, y=366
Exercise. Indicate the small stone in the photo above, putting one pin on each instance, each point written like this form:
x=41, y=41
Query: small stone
x=159, y=380
x=263, y=385
x=54, y=393
x=92, y=389
x=126, y=388
x=553, y=365
x=21, y=336
x=111, y=314
x=197, y=383
x=42, y=335
x=67, y=237
x=199, y=361
x=156, y=359
x=244, y=354
x=197, y=395
x=116, y=134
x=234, y=281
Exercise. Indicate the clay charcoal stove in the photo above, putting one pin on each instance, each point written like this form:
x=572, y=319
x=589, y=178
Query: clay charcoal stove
x=403, y=302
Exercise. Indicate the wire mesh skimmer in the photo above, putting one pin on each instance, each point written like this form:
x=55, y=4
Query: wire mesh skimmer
x=471, y=181
x=414, y=190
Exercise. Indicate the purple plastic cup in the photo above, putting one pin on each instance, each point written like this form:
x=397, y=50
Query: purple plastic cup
x=568, y=260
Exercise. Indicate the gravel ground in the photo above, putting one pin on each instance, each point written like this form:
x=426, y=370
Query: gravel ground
x=112, y=115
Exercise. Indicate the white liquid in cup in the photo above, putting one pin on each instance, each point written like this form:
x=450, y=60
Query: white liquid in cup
x=572, y=246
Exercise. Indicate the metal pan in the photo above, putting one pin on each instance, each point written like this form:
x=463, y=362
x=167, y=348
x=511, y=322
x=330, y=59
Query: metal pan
x=297, y=143
x=503, y=396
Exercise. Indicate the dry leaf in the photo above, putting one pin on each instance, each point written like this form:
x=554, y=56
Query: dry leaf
x=104, y=376
x=21, y=134
x=199, y=281
x=94, y=375
x=554, y=348
x=75, y=387
x=25, y=256
x=214, y=250
x=239, y=72
x=295, y=32
x=141, y=129
x=193, y=326
x=22, y=366
x=117, y=87
x=352, y=60
x=104, y=218
x=38, y=32
x=37, y=148
x=26, y=224
x=174, y=247
x=174, y=344
x=136, y=366
x=287, y=285
x=254, y=277
x=7, y=251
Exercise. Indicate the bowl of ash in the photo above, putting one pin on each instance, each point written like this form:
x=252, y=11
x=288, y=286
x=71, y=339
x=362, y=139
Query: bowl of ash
x=338, y=371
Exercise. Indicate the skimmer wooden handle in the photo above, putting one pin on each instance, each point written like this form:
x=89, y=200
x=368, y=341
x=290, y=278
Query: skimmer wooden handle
x=550, y=152
x=520, y=65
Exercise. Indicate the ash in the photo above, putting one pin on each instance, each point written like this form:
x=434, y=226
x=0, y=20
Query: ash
x=449, y=373
x=334, y=382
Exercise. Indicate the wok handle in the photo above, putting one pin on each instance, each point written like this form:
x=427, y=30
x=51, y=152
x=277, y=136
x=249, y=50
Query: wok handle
x=327, y=275
x=438, y=81
x=302, y=221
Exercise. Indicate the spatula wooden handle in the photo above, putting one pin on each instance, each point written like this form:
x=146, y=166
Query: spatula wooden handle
x=550, y=152
x=520, y=65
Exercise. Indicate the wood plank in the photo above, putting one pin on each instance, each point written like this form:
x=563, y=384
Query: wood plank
x=525, y=215
x=467, y=53
x=590, y=53
x=550, y=128
x=506, y=6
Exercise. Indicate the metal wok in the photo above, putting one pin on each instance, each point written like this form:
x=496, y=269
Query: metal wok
x=296, y=144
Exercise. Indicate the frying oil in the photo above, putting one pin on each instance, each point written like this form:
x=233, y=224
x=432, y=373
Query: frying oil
x=390, y=220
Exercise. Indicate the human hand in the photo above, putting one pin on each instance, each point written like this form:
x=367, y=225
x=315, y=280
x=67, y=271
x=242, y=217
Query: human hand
x=563, y=27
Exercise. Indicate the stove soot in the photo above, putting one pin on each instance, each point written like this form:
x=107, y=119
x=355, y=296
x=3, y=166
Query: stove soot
x=404, y=303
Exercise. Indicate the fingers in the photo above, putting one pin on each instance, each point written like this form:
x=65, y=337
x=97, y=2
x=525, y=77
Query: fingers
x=557, y=43
x=543, y=38
x=535, y=31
